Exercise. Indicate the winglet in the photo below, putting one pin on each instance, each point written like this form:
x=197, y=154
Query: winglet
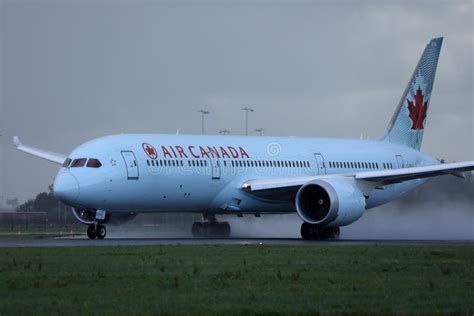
x=16, y=141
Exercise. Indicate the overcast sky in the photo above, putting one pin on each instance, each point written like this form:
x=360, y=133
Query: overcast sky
x=75, y=70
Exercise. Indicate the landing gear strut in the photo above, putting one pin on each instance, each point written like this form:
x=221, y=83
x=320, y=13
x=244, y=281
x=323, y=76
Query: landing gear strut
x=312, y=232
x=210, y=228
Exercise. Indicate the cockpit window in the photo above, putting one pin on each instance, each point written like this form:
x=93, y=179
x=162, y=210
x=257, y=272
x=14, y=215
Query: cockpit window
x=78, y=162
x=93, y=163
x=66, y=163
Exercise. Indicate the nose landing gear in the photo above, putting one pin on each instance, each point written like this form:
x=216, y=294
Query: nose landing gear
x=97, y=230
x=210, y=228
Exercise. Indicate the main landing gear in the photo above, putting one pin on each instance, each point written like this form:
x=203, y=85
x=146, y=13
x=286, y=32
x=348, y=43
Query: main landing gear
x=97, y=230
x=210, y=228
x=312, y=232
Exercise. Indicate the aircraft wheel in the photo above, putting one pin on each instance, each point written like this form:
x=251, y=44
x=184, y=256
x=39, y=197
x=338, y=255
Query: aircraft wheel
x=100, y=231
x=91, y=232
x=327, y=233
x=224, y=229
x=210, y=230
x=312, y=232
x=308, y=231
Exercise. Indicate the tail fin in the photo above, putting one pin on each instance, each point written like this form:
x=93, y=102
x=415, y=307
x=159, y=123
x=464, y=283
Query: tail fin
x=408, y=121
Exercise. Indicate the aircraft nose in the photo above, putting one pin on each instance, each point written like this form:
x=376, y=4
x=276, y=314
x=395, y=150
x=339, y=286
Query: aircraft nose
x=66, y=187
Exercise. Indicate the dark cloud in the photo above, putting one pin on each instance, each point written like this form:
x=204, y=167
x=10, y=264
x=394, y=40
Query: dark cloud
x=74, y=70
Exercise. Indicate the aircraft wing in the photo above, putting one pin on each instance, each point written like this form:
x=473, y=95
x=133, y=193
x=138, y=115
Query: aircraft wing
x=378, y=177
x=405, y=174
x=41, y=153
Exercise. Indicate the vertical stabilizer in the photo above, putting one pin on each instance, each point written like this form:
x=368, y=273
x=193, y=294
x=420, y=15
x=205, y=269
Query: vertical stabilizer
x=409, y=120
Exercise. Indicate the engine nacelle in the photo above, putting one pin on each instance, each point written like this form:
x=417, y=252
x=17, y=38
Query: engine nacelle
x=87, y=216
x=330, y=202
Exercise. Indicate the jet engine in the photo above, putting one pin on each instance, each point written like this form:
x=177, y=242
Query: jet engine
x=330, y=202
x=87, y=216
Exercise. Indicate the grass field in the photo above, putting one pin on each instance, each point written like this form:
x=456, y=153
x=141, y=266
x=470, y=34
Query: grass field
x=237, y=280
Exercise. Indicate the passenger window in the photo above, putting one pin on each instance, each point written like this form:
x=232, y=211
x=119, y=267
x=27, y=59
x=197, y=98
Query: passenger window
x=66, y=163
x=78, y=162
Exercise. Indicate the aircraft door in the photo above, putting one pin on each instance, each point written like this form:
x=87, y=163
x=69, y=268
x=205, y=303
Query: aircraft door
x=321, y=165
x=215, y=169
x=400, y=162
x=131, y=165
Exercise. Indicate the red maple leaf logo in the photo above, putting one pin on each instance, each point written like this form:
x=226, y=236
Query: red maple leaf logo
x=418, y=110
x=149, y=150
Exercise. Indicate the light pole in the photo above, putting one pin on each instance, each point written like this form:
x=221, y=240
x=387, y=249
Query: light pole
x=203, y=112
x=224, y=132
x=247, y=110
x=260, y=131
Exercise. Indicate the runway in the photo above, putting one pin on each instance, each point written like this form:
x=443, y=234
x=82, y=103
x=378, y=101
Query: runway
x=117, y=242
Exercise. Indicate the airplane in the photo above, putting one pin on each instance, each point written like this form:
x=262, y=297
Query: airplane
x=329, y=183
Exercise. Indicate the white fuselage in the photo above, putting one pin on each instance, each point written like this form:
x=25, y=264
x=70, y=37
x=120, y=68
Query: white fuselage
x=189, y=173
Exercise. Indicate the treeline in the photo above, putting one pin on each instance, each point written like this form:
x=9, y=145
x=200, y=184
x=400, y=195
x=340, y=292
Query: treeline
x=56, y=211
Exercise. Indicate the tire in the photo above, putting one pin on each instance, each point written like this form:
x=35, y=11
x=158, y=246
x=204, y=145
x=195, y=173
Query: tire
x=100, y=232
x=224, y=229
x=304, y=231
x=91, y=232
